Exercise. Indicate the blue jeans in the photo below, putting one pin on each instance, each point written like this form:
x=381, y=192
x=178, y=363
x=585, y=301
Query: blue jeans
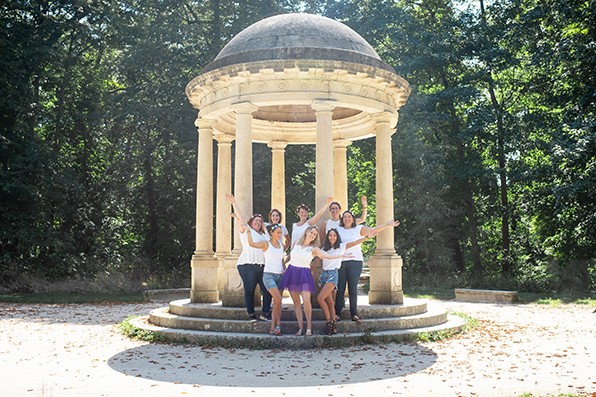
x=252, y=275
x=349, y=273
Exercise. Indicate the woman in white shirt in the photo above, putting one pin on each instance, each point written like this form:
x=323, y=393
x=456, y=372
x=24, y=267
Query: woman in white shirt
x=335, y=212
x=298, y=277
x=251, y=262
x=304, y=223
x=275, y=217
x=329, y=277
x=350, y=270
x=273, y=250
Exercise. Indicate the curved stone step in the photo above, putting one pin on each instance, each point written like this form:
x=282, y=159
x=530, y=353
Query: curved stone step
x=288, y=340
x=163, y=318
x=183, y=307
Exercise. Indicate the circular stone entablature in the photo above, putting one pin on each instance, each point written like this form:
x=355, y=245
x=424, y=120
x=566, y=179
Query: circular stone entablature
x=282, y=65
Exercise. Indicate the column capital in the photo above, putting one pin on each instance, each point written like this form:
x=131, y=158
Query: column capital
x=203, y=123
x=385, y=117
x=323, y=105
x=341, y=143
x=244, y=108
x=277, y=145
x=223, y=139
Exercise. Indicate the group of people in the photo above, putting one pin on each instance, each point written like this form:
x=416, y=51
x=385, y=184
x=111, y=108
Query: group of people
x=263, y=261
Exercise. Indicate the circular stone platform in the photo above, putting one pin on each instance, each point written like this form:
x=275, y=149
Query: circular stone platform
x=213, y=324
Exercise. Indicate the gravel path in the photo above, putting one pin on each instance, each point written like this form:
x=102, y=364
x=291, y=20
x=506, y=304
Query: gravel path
x=76, y=350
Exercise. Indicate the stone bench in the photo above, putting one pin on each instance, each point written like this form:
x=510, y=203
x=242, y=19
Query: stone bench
x=485, y=295
x=166, y=295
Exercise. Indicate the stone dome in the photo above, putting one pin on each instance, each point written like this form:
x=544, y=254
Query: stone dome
x=298, y=37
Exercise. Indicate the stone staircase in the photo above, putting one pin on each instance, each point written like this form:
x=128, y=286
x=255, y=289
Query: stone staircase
x=214, y=325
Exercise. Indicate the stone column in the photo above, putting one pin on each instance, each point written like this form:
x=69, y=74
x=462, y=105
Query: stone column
x=324, y=152
x=278, y=176
x=233, y=291
x=340, y=172
x=223, y=220
x=204, y=265
x=385, y=265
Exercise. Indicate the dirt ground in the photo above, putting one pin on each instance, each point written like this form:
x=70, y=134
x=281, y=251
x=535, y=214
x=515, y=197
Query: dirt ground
x=77, y=350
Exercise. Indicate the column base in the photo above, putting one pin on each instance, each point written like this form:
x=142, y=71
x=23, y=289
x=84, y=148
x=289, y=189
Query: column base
x=385, y=279
x=204, y=279
x=233, y=290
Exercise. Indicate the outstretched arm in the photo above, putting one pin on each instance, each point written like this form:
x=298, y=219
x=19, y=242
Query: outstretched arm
x=260, y=244
x=362, y=217
x=237, y=213
x=374, y=230
x=317, y=216
x=324, y=255
x=360, y=240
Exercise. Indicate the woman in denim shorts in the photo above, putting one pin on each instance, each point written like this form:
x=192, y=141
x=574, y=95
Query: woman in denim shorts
x=273, y=250
x=329, y=277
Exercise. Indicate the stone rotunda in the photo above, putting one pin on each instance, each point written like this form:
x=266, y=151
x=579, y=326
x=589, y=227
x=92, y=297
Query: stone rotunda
x=293, y=79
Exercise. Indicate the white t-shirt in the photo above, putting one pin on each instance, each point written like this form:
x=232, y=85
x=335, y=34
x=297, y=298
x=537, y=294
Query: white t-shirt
x=249, y=254
x=331, y=224
x=301, y=257
x=332, y=264
x=274, y=259
x=348, y=236
x=298, y=231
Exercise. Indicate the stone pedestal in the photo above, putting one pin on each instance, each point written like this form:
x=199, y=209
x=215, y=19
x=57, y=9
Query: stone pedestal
x=385, y=280
x=204, y=279
x=233, y=295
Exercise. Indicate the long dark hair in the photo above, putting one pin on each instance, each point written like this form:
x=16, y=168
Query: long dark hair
x=327, y=244
x=272, y=226
x=341, y=220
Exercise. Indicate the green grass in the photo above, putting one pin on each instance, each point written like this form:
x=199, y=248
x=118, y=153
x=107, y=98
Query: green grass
x=72, y=297
x=131, y=331
x=554, y=299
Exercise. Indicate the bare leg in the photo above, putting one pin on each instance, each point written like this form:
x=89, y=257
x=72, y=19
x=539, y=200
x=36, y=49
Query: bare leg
x=297, y=308
x=307, y=308
x=276, y=312
x=322, y=298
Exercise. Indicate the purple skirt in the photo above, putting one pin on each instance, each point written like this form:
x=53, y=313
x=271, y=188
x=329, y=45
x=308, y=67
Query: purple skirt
x=298, y=279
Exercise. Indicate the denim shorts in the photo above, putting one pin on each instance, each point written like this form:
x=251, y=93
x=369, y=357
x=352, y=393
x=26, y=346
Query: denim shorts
x=329, y=276
x=272, y=280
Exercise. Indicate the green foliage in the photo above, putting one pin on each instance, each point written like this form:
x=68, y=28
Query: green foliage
x=494, y=155
x=130, y=330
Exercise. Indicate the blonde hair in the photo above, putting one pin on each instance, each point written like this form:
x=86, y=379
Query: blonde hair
x=303, y=237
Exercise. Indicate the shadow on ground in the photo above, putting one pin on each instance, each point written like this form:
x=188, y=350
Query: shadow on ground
x=189, y=364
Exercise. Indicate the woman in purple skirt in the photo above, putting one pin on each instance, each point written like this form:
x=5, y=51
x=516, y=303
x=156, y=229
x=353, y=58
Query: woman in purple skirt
x=298, y=279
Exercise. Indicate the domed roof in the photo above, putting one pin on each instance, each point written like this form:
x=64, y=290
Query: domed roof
x=298, y=37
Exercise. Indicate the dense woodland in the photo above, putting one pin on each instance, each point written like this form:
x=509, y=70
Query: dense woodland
x=494, y=155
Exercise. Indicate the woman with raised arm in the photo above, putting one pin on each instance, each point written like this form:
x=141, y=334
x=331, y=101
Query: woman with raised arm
x=273, y=250
x=329, y=277
x=275, y=217
x=335, y=212
x=251, y=262
x=350, y=270
x=304, y=222
x=298, y=278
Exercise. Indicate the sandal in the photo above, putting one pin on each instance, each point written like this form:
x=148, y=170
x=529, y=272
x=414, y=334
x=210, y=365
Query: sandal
x=337, y=318
x=308, y=332
x=334, y=328
x=277, y=330
x=299, y=333
x=330, y=326
x=356, y=319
